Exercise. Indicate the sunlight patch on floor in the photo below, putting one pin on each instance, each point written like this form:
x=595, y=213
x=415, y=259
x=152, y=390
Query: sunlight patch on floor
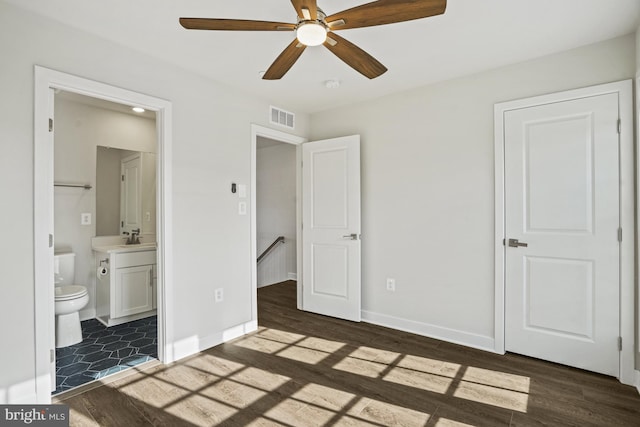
x=419, y=380
x=498, y=379
x=494, y=388
x=360, y=367
x=260, y=344
x=445, y=422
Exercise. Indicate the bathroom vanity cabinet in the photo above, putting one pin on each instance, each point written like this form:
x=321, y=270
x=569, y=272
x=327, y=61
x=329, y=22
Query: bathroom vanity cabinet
x=128, y=291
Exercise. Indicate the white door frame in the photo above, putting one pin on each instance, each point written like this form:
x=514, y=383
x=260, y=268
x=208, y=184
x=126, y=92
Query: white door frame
x=627, y=214
x=45, y=80
x=265, y=132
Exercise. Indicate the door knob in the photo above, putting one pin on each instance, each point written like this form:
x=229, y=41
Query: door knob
x=352, y=236
x=514, y=243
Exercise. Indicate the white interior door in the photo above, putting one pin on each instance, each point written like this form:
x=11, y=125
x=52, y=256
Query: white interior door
x=562, y=201
x=331, y=227
x=130, y=197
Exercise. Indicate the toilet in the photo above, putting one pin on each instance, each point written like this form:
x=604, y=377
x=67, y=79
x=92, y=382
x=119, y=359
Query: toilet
x=69, y=300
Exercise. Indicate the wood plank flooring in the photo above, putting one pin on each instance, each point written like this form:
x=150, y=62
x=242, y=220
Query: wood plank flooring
x=301, y=369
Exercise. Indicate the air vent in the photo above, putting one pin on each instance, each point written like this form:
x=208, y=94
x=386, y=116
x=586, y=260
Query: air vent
x=282, y=118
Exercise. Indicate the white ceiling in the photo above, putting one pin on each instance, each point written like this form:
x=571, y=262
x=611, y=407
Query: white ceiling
x=472, y=35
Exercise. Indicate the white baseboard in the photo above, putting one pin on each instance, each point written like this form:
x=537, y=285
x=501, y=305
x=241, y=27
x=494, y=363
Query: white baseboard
x=192, y=345
x=480, y=342
x=292, y=276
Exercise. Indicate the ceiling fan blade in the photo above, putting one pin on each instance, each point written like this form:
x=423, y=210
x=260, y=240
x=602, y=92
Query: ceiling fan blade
x=385, y=12
x=355, y=57
x=234, y=25
x=310, y=5
x=284, y=61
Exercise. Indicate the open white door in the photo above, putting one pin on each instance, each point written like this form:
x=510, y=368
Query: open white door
x=331, y=227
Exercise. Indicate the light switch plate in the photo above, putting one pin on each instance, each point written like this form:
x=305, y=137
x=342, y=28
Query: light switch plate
x=242, y=191
x=242, y=208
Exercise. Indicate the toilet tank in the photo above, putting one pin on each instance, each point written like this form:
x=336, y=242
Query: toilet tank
x=64, y=268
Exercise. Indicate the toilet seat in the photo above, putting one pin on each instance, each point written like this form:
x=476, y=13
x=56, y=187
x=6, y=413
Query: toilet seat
x=65, y=293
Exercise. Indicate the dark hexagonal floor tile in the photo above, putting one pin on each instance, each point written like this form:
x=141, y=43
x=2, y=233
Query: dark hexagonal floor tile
x=101, y=333
x=105, y=351
x=107, y=340
x=149, y=350
x=141, y=342
x=122, y=353
x=103, y=364
x=61, y=362
x=132, y=337
x=116, y=345
x=78, y=379
x=98, y=355
x=134, y=360
x=124, y=331
x=89, y=349
x=67, y=371
x=64, y=351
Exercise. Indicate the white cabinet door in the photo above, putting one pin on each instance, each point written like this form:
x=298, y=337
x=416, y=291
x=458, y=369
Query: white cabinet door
x=562, y=200
x=133, y=290
x=331, y=227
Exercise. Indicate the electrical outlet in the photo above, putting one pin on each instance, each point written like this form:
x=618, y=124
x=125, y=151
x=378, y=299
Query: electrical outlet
x=218, y=295
x=242, y=208
x=391, y=284
x=85, y=219
x=147, y=216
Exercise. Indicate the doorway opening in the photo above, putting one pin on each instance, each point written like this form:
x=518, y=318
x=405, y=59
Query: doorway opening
x=276, y=211
x=104, y=195
x=59, y=230
x=271, y=141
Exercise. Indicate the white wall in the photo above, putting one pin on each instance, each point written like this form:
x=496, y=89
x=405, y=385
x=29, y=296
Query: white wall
x=276, y=210
x=637, y=117
x=211, y=148
x=428, y=187
x=79, y=130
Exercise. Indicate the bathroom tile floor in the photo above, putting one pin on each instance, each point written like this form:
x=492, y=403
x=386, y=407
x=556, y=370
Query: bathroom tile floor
x=105, y=351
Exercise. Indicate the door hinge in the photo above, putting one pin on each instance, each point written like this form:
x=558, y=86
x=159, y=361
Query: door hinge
x=50, y=240
x=619, y=126
x=619, y=234
x=619, y=343
x=504, y=242
x=50, y=125
x=122, y=176
x=52, y=355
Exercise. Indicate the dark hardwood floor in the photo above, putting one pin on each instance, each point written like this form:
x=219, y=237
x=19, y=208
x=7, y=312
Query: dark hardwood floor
x=301, y=369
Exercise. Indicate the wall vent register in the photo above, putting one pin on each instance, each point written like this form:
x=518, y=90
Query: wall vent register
x=280, y=117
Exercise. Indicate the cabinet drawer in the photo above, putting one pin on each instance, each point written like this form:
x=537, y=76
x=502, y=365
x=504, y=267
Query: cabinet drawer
x=131, y=259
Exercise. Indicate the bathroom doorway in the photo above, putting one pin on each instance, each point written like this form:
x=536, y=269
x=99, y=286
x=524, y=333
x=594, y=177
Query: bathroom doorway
x=49, y=85
x=104, y=195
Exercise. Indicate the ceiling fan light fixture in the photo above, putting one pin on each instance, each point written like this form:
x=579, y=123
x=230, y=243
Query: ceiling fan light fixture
x=311, y=34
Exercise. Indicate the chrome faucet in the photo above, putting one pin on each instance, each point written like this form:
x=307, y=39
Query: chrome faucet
x=134, y=237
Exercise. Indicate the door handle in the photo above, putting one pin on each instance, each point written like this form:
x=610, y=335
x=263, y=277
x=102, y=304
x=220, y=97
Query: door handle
x=514, y=243
x=352, y=236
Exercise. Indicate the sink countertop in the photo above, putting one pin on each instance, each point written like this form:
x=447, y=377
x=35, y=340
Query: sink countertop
x=126, y=248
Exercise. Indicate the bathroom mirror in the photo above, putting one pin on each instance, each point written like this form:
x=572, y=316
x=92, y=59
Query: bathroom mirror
x=125, y=192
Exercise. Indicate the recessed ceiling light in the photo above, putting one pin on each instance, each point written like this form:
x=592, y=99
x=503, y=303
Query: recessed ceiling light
x=138, y=109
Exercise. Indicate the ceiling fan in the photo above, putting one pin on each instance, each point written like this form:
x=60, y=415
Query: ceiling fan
x=315, y=28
